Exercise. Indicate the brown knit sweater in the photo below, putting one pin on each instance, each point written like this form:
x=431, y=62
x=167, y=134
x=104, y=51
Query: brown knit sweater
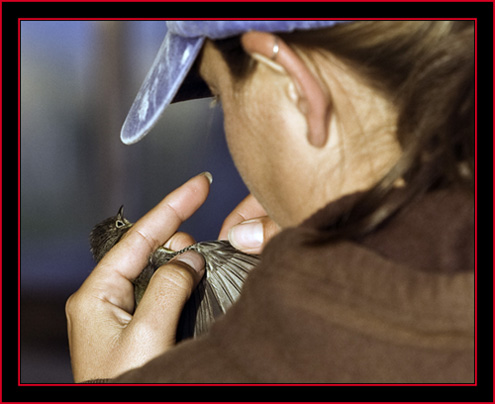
x=396, y=307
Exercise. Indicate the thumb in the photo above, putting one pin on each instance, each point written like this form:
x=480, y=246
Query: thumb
x=252, y=235
x=163, y=301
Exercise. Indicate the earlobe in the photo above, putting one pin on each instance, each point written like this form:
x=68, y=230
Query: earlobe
x=306, y=91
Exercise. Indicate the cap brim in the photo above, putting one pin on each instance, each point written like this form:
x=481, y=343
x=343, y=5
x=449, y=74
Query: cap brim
x=170, y=69
x=172, y=78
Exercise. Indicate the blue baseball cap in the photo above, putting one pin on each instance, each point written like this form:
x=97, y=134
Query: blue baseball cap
x=170, y=78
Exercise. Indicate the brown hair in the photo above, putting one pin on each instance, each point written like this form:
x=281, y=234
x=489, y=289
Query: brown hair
x=426, y=68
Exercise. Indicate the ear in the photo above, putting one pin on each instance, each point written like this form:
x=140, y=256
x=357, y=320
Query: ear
x=310, y=96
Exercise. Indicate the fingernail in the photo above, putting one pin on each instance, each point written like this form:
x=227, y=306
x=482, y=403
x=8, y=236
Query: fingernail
x=208, y=175
x=248, y=234
x=193, y=259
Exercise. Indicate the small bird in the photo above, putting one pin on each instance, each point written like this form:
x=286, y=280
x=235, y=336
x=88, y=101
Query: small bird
x=226, y=271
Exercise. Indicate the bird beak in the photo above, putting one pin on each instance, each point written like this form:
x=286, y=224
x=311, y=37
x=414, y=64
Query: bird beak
x=121, y=212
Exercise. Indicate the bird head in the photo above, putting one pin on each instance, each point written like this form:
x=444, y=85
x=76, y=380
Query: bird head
x=107, y=233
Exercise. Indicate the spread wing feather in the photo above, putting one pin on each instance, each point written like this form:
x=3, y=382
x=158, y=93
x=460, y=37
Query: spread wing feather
x=226, y=272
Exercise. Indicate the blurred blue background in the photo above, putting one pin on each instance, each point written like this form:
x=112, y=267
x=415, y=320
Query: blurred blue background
x=78, y=80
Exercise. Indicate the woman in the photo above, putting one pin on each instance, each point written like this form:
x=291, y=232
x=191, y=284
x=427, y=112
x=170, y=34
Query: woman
x=356, y=140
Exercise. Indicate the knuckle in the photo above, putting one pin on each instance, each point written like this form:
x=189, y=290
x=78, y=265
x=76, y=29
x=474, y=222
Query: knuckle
x=169, y=205
x=150, y=241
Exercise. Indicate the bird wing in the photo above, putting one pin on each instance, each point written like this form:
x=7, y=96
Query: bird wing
x=226, y=271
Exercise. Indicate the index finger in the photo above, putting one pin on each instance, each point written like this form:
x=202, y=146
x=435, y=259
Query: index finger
x=125, y=261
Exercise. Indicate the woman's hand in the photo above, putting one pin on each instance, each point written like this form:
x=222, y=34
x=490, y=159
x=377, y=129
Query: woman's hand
x=105, y=339
x=248, y=228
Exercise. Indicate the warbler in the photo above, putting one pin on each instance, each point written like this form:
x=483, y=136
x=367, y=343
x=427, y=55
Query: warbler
x=226, y=271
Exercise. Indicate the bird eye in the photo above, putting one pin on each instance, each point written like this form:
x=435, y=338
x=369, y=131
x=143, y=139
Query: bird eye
x=119, y=223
